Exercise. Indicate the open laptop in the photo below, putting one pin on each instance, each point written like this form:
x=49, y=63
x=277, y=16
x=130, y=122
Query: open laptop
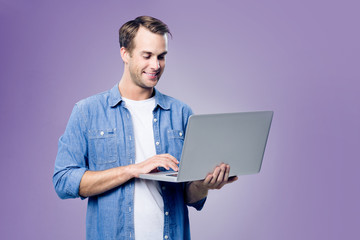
x=237, y=139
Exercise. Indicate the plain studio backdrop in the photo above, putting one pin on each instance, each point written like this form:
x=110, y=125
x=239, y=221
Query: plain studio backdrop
x=297, y=58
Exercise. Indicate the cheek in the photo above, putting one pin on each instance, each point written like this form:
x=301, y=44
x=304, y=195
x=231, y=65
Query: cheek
x=162, y=65
x=136, y=68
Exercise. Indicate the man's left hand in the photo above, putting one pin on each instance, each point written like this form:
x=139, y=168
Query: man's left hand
x=198, y=190
x=217, y=179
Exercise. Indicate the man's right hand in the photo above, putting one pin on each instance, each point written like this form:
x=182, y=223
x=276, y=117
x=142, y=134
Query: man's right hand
x=162, y=160
x=97, y=182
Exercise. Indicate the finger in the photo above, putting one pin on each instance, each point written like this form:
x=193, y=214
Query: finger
x=168, y=160
x=174, y=167
x=208, y=179
x=160, y=161
x=220, y=178
x=165, y=160
x=233, y=179
x=170, y=157
x=227, y=173
x=168, y=165
x=215, y=175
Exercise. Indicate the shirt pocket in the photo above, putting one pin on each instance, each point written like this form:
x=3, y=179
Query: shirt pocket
x=102, y=146
x=175, y=143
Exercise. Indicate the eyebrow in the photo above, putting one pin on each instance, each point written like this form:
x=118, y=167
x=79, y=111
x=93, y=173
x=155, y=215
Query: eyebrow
x=150, y=53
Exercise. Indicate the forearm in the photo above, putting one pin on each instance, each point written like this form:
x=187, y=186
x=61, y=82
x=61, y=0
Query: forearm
x=97, y=182
x=195, y=192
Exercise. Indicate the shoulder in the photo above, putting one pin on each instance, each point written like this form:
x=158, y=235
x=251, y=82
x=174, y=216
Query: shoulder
x=172, y=103
x=95, y=101
x=177, y=102
x=93, y=105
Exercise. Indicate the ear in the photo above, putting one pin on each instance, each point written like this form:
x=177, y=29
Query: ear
x=124, y=54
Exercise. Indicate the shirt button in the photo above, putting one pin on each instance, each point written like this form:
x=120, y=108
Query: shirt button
x=180, y=134
x=102, y=133
x=129, y=209
x=155, y=120
x=157, y=143
x=166, y=213
x=163, y=188
x=166, y=237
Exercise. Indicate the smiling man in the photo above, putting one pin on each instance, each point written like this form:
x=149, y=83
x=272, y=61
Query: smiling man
x=114, y=136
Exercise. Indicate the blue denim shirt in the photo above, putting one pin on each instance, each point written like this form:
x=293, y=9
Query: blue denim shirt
x=99, y=136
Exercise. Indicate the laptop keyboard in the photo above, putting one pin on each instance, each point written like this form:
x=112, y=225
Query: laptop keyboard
x=172, y=175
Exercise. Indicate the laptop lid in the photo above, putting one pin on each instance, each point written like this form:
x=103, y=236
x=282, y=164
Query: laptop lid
x=237, y=139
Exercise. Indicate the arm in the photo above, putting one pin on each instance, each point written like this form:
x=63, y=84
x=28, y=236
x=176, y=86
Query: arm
x=97, y=182
x=72, y=177
x=197, y=190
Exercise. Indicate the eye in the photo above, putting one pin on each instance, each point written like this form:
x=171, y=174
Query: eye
x=146, y=56
x=161, y=57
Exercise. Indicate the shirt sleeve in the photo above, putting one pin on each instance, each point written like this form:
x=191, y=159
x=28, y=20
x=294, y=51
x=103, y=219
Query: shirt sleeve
x=199, y=204
x=71, y=160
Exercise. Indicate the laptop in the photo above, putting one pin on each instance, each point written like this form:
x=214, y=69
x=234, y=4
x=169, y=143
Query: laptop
x=237, y=139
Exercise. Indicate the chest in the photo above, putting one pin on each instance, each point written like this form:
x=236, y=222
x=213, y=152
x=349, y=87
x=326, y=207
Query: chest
x=111, y=138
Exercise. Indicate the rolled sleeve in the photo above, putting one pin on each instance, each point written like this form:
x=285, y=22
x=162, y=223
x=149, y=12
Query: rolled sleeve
x=199, y=204
x=67, y=182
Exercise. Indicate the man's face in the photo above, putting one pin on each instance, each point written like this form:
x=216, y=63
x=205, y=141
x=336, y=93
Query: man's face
x=146, y=62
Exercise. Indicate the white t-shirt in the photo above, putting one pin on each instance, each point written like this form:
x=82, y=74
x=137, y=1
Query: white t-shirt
x=148, y=202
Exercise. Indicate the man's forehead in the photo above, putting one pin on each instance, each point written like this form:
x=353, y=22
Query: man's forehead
x=147, y=41
x=144, y=31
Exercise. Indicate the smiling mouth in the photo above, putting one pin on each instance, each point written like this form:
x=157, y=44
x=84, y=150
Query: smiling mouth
x=152, y=75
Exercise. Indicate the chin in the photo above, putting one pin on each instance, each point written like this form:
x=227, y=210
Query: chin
x=151, y=83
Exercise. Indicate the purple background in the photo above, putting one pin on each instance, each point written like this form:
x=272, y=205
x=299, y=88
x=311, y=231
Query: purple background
x=300, y=59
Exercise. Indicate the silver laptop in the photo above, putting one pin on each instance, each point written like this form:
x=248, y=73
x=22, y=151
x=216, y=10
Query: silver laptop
x=237, y=139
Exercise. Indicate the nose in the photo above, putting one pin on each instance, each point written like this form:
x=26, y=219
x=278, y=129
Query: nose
x=155, y=64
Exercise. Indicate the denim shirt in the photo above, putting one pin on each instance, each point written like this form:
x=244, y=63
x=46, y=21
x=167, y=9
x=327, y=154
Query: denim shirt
x=99, y=136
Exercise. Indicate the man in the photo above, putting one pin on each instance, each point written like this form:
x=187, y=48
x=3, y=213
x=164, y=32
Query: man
x=132, y=129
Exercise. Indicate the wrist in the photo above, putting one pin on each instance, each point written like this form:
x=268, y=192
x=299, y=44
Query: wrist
x=200, y=187
x=131, y=171
x=195, y=192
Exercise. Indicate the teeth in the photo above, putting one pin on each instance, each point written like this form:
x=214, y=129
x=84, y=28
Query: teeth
x=153, y=75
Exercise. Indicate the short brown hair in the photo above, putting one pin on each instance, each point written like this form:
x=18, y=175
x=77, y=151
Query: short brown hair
x=128, y=31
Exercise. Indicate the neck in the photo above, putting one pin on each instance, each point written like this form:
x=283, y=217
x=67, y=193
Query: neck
x=134, y=92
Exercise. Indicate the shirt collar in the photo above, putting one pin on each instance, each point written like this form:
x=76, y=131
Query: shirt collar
x=160, y=100
x=115, y=98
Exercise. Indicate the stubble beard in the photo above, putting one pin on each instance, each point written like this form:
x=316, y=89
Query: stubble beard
x=138, y=80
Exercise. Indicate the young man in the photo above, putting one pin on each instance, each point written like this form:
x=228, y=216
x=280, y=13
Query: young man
x=131, y=129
